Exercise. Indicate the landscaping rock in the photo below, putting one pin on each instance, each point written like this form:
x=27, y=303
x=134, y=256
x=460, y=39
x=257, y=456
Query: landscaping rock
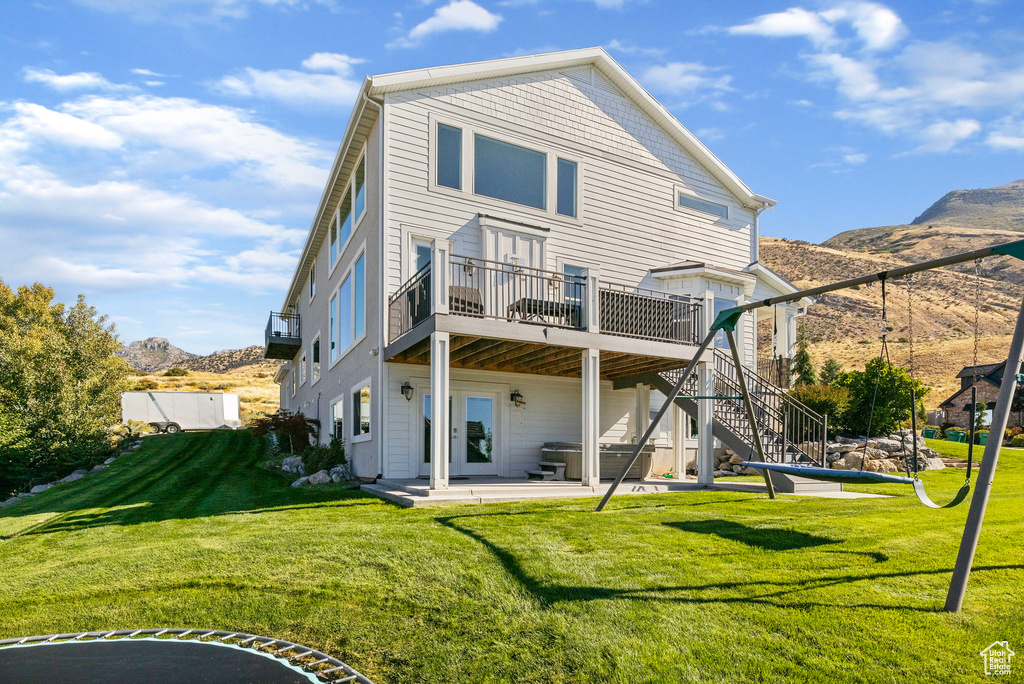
x=293, y=464
x=735, y=460
x=889, y=445
x=751, y=471
x=935, y=464
x=301, y=481
x=77, y=475
x=12, y=500
x=723, y=473
x=40, y=488
x=99, y=467
x=110, y=460
x=737, y=469
x=320, y=477
x=25, y=495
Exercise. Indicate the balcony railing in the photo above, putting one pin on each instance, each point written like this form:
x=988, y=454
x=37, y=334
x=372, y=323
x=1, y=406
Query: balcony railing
x=775, y=369
x=283, y=337
x=495, y=290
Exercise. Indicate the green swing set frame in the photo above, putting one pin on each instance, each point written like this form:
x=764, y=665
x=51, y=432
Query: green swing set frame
x=727, y=320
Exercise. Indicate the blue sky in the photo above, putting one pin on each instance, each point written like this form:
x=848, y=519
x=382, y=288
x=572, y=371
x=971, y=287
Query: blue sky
x=165, y=157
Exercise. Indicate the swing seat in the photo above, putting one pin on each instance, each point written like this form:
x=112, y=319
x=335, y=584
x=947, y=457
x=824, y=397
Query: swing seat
x=813, y=472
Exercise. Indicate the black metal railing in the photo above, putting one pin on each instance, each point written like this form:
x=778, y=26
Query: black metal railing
x=410, y=305
x=283, y=335
x=649, y=314
x=775, y=368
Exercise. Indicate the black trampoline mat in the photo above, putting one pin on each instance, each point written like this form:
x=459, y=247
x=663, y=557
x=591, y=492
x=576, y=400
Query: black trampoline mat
x=138, y=661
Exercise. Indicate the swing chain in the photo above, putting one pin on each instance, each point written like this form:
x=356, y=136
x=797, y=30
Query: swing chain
x=911, y=366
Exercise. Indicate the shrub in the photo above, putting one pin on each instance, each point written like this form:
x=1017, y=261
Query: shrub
x=827, y=400
x=176, y=373
x=1017, y=441
x=292, y=429
x=880, y=398
x=144, y=385
x=324, y=456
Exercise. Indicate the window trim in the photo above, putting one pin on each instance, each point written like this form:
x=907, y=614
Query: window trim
x=320, y=369
x=311, y=279
x=340, y=399
x=336, y=292
x=547, y=174
x=350, y=190
x=552, y=154
x=678, y=190
x=368, y=382
x=410, y=253
x=302, y=369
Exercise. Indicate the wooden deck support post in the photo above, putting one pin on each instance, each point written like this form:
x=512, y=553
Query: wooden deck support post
x=591, y=388
x=440, y=368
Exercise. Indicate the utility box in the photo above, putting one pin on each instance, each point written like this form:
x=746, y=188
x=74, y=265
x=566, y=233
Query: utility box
x=176, y=411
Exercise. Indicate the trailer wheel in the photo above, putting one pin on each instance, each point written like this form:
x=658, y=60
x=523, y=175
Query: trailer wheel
x=156, y=428
x=173, y=429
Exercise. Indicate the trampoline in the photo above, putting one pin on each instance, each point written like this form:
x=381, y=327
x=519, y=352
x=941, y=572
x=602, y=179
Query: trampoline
x=166, y=656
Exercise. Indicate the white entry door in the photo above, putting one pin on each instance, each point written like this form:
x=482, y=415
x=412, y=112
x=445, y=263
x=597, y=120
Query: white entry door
x=474, y=440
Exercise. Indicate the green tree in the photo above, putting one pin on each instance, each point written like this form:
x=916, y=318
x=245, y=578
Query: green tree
x=827, y=400
x=803, y=368
x=891, y=403
x=59, y=378
x=831, y=372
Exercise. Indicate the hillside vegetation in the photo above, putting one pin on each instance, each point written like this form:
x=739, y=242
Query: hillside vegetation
x=705, y=586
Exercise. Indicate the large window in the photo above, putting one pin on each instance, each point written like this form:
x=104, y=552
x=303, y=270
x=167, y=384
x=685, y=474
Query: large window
x=348, y=309
x=509, y=172
x=449, y=156
x=361, y=410
x=566, y=187
x=315, y=361
x=704, y=205
x=721, y=304
x=351, y=208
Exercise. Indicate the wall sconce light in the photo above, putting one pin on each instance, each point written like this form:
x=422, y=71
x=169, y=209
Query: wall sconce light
x=407, y=391
x=517, y=398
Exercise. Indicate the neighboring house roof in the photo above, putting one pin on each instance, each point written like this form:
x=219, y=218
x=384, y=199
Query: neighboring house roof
x=363, y=117
x=981, y=370
x=953, y=397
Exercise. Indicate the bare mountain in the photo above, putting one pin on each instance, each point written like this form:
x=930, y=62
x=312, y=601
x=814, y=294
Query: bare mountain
x=999, y=208
x=154, y=354
x=229, y=360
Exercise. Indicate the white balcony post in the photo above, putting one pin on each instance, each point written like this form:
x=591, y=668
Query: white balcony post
x=643, y=410
x=439, y=418
x=440, y=275
x=591, y=387
x=706, y=407
x=592, y=300
x=679, y=419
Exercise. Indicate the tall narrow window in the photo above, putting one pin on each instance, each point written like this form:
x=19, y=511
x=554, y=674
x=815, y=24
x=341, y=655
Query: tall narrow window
x=361, y=411
x=344, y=225
x=449, y=156
x=360, y=185
x=334, y=328
x=345, y=314
x=302, y=370
x=509, y=172
x=359, y=292
x=315, y=372
x=420, y=255
x=312, y=281
x=566, y=187
x=338, y=420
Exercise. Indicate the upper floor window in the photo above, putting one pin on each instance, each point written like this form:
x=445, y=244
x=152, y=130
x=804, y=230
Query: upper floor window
x=348, y=309
x=449, y=156
x=315, y=362
x=302, y=370
x=704, y=205
x=566, y=187
x=351, y=208
x=312, y=281
x=509, y=172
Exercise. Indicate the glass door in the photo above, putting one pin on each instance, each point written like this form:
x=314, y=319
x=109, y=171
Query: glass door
x=472, y=444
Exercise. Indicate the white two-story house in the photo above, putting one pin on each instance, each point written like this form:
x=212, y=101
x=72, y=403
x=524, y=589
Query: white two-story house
x=539, y=241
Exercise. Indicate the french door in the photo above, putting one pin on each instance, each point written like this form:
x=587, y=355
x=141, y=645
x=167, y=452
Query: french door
x=473, y=442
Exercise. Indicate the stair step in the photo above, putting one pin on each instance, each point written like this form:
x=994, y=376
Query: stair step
x=551, y=463
x=541, y=474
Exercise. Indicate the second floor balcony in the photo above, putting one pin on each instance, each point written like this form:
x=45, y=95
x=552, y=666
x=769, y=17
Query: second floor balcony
x=498, y=291
x=283, y=336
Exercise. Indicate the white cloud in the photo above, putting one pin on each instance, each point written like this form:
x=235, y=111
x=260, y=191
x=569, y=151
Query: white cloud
x=876, y=26
x=943, y=136
x=794, y=22
x=299, y=88
x=33, y=122
x=686, y=78
x=147, y=72
x=1007, y=136
x=192, y=11
x=81, y=80
x=631, y=49
x=457, y=15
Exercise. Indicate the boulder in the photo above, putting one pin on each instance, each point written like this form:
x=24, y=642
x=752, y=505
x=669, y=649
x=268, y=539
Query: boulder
x=935, y=464
x=40, y=488
x=723, y=473
x=301, y=481
x=293, y=464
x=873, y=454
x=99, y=467
x=882, y=465
x=25, y=495
x=846, y=448
x=736, y=460
x=889, y=445
x=319, y=477
x=832, y=458
x=737, y=469
x=109, y=460
x=751, y=471
x=12, y=500
x=77, y=475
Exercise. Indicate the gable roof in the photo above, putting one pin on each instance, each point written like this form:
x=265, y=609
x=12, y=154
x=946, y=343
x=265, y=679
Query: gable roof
x=601, y=60
x=983, y=369
x=963, y=390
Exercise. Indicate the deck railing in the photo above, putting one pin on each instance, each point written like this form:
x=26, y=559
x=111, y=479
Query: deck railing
x=649, y=314
x=283, y=325
x=482, y=288
x=775, y=368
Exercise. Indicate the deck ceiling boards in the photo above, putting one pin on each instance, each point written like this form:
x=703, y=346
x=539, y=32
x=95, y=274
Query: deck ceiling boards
x=482, y=353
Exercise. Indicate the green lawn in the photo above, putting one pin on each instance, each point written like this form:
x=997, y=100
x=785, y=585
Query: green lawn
x=959, y=449
x=191, y=531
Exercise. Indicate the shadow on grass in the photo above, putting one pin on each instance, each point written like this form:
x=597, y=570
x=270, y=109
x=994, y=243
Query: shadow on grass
x=173, y=477
x=769, y=539
x=776, y=592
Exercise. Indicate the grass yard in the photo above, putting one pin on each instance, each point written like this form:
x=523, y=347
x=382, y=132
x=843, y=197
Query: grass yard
x=192, y=531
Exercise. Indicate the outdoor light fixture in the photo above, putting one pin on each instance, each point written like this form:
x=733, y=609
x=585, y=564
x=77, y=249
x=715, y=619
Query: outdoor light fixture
x=407, y=391
x=517, y=398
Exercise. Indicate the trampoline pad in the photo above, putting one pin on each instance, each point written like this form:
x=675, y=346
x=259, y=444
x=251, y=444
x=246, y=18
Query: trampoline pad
x=153, y=661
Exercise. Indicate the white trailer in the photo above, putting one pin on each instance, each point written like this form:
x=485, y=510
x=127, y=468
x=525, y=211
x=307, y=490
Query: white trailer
x=176, y=411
